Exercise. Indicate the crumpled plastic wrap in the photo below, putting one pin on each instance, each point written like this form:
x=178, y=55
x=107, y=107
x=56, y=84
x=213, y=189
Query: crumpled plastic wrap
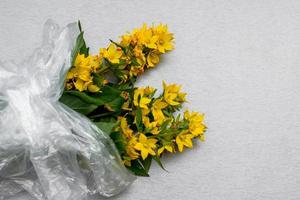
x=47, y=149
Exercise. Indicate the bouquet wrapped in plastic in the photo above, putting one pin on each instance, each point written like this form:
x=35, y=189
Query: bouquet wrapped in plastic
x=73, y=125
x=46, y=148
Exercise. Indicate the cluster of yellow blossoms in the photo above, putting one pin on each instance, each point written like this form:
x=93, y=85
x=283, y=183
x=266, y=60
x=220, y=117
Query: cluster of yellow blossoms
x=127, y=59
x=143, y=48
x=143, y=125
x=150, y=128
x=80, y=76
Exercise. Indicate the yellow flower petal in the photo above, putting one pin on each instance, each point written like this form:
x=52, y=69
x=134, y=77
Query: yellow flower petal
x=144, y=154
x=144, y=101
x=93, y=88
x=179, y=144
x=142, y=138
x=160, y=151
x=151, y=152
x=113, y=54
x=169, y=148
x=79, y=85
x=139, y=146
x=152, y=141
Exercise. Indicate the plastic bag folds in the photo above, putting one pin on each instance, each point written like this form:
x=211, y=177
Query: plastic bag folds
x=48, y=150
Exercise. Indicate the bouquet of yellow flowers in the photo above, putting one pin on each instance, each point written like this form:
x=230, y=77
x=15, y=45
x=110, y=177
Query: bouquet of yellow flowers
x=74, y=125
x=143, y=125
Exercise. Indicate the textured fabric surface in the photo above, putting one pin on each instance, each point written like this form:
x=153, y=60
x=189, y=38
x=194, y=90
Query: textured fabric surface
x=239, y=63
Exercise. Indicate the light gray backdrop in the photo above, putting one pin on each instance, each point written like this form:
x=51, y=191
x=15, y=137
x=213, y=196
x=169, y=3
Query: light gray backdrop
x=239, y=62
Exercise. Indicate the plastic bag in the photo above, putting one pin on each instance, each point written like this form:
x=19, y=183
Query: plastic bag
x=47, y=149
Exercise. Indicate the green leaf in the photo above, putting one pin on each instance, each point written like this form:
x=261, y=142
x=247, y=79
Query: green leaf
x=116, y=104
x=157, y=159
x=135, y=63
x=105, y=126
x=86, y=98
x=119, y=141
x=147, y=163
x=85, y=50
x=107, y=95
x=108, y=119
x=138, y=171
x=96, y=115
x=164, y=125
x=125, y=86
x=98, y=80
x=167, y=113
x=79, y=26
x=137, y=168
x=139, y=120
x=77, y=104
x=80, y=46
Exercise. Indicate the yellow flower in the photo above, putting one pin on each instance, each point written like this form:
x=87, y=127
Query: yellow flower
x=172, y=94
x=149, y=39
x=113, y=53
x=139, y=99
x=138, y=52
x=90, y=63
x=196, y=126
x=146, y=146
x=165, y=39
x=145, y=111
x=138, y=67
x=184, y=139
x=94, y=62
x=152, y=59
x=135, y=70
x=152, y=126
x=149, y=90
x=156, y=110
x=125, y=128
x=126, y=40
x=137, y=36
x=83, y=83
x=167, y=147
x=141, y=60
x=71, y=74
x=181, y=97
x=81, y=68
x=130, y=149
x=80, y=85
x=194, y=116
x=84, y=73
x=81, y=73
x=80, y=60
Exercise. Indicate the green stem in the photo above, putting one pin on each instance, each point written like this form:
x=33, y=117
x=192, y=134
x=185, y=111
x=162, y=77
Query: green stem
x=100, y=115
x=103, y=69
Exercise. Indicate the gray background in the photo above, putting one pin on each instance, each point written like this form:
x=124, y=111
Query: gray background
x=238, y=61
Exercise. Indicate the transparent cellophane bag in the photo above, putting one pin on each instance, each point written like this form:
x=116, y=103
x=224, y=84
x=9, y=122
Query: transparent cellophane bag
x=46, y=149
